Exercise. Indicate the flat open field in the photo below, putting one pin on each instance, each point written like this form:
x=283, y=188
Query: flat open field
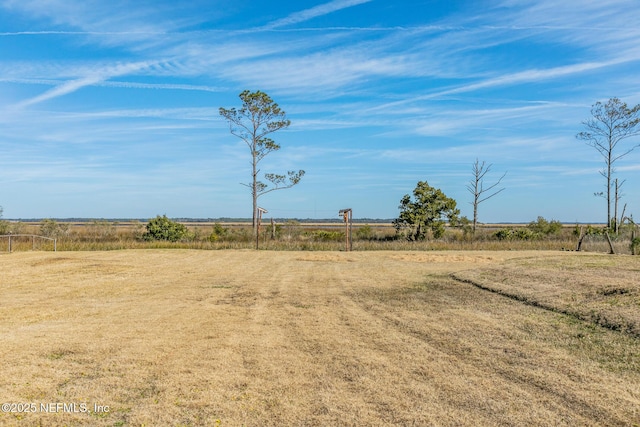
x=254, y=338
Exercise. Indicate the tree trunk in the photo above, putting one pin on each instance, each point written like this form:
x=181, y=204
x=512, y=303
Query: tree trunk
x=475, y=212
x=254, y=191
x=273, y=229
x=609, y=187
x=615, y=209
x=611, y=250
x=580, y=239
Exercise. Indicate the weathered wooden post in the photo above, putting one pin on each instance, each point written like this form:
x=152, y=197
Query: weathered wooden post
x=347, y=217
x=273, y=229
x=580, y=238
x=260, y=212
x=611, y=249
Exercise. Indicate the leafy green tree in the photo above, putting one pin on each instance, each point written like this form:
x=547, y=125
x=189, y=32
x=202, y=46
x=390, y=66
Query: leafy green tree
x=162, y=228
x=259, y=117
x=610, y=124
x=429, y=210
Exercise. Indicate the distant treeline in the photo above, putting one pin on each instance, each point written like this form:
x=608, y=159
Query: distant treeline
x=213, y=220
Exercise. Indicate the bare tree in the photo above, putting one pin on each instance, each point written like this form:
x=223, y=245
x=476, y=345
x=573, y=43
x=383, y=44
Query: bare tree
x=477, y=187
x=258, y=117
x=609, y=125
x=617, y=196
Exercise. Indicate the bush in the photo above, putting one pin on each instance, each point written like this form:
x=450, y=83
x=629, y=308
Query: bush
x=218, y=232
x=542, y=226
x=327, y=236
x=162, y=228
x=51, y=228
x=513, y=234
x=504, y=234
x=365, y=232
x=3, y=224
x=589, y=230
x=102, y=230
x=137, y=230
x=526, y=234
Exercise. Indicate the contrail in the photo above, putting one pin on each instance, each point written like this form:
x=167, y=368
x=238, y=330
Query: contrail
x=90, y=80
x=314, y=12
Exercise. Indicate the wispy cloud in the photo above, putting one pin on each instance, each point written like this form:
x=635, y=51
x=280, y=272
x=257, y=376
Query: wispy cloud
x=314, y=12
x=404, y=91
x=319, y=72
x=94, y=78
x=593, y=23
x=125, y=84
x=79, y=33
x=162, y=86
x=522, y=77
x=535, y=75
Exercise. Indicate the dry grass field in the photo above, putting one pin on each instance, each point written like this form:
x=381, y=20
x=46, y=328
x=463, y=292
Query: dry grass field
x=255, y=338
x=600, y=289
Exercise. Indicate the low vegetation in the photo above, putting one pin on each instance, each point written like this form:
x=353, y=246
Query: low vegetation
x=162, y=228
x=162, y=232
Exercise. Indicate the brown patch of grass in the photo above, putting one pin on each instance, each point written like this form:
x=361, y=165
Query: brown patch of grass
x=444, y=257
x=599, y=288
x=293, y=338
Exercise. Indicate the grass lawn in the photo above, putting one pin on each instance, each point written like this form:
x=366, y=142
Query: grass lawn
x=254, y=338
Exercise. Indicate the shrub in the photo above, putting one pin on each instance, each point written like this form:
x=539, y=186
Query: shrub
x=51, y=228
x=542, y=226
x=365, y=232
x=589, y=230
x=137, y=230
x=513, y=234
x=504, y=234
x=102, y=230
x=526, y=234
x=162, y=228
x=327, y=236
x=218, y=232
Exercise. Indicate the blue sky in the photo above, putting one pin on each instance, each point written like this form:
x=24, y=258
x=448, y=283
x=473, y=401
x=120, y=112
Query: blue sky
x=109, y=109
